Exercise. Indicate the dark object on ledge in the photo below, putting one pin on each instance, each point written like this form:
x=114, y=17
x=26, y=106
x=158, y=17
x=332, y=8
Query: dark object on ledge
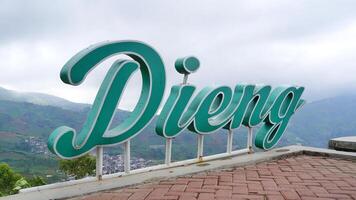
x=343, y=143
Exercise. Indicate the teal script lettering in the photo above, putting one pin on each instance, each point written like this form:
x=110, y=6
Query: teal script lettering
x=201, y=112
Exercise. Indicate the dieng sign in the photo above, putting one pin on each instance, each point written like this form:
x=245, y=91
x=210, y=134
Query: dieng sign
x=200, y=111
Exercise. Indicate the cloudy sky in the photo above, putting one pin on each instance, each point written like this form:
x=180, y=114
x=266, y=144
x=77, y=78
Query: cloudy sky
x=310, y=43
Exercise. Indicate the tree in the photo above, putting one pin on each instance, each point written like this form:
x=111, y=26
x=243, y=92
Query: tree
x=79, y=167
x=20, y=184
x=12, y=183
x=36, y=181
x=8, y=179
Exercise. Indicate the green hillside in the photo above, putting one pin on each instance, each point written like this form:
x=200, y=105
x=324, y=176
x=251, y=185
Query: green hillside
x=21, y=122
x=320, y=121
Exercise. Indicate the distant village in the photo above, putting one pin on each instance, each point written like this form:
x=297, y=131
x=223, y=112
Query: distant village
x=114, y=164
x=111, y=163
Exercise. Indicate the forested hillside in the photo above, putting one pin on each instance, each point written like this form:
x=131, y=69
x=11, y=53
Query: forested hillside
x=25, y=126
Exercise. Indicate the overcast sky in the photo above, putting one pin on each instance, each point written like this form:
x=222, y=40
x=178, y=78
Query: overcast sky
x=309, y=43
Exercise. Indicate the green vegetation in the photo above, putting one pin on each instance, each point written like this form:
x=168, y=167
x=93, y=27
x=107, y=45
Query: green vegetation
x=8, y=179
x=30, y=164
x=36, y=181
x=11, y=182
x=79, y=167
x=312, y=125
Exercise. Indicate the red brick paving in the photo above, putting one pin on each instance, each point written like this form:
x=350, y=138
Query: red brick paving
x=300, y=177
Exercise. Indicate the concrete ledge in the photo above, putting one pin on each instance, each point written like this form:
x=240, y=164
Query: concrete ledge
x=343, y=143
x=91, y=185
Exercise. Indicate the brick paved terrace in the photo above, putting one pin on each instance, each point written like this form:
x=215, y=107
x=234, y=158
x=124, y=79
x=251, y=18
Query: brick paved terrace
x=299, y=177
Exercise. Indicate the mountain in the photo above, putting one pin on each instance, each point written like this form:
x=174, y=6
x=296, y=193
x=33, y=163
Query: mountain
x=40, y=99
x=31, y=120
x=27, y=119
x=25, y=127
x=317, y=122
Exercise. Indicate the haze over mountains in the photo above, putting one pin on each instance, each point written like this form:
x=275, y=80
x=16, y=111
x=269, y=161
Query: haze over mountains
x=34, y=115
x=39, y=99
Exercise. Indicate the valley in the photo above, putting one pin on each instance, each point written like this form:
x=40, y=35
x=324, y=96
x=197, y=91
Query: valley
x=25, y=126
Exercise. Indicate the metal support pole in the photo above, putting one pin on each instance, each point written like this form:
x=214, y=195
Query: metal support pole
x=127, y=165
x=99, y=163
x=200, y=147
x=168, y=151
x=249, y=140
x=185, y=79
x=229, y=141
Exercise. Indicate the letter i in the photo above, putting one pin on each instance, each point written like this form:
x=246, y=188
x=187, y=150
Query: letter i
x=186, y=66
